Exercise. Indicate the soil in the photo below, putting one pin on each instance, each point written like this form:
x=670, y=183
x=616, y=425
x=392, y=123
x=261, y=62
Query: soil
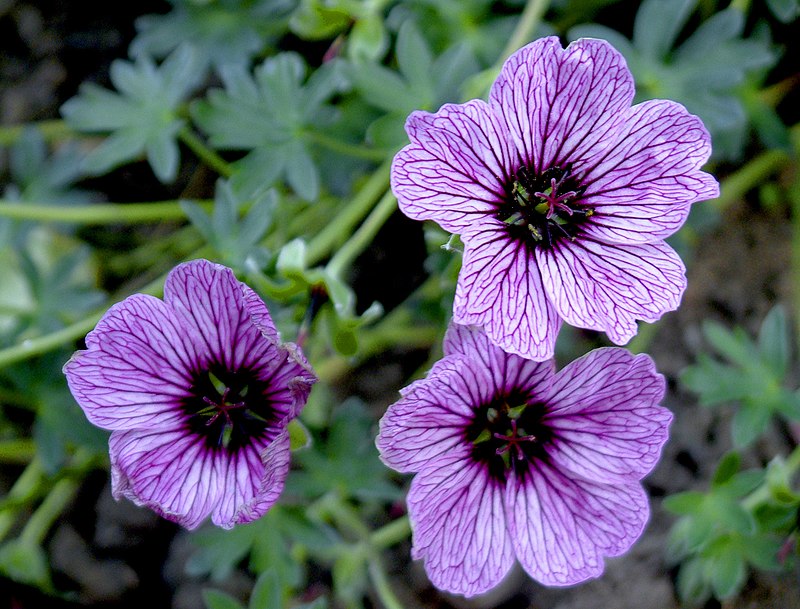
x=116, y=556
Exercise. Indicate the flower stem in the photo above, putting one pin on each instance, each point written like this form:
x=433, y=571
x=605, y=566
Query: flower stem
x=50, y=130
x=736, y=185
x=35, y=530
x=529, y=20
x=363, y=236
x=353, y=150
x=205, y=153
x=21, y=450
x=380, y=581
x=32, y=347
x=391, y=534
x=25, y=487
x=332, y=234
x=101, y=213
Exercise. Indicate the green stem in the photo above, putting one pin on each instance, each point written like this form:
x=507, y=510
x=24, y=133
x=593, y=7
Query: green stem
x=26, y=486
x=351, y=215
x=37, y=346
x=529, y=20
x=762, y=494
x=100, y=213
x=391, y=534
x=754, y=173
x=21, y=450
x=363, y=236
x=353, y=150
x=380, y=581
x=205, y=153
x=51, y=131
x=35, y=530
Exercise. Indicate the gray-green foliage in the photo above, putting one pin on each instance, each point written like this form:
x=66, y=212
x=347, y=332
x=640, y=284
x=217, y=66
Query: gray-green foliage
x=269, y=114
x=141, y=117
x=713, y=72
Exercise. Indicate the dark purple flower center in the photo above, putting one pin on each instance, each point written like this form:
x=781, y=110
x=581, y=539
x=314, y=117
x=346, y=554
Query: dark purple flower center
x=540, y=209
x=228, y=409
x=508, y=432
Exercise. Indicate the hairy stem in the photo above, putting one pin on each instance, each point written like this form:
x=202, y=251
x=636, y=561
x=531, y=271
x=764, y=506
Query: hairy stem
x=21, y=450
x=25, y=487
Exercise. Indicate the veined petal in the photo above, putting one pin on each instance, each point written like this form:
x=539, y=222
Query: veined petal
x=562, y=528
x=136, y=368
x=211, y=302
x=455, y=168
x=605, y=417
x=560, y=103
x=458, y=525
x=507, y=371
x=176, y=475
x=643, y=182
x=432, y=417
x=500, y=288
x=607, y=287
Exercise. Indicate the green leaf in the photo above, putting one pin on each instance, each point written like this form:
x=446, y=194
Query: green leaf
x=312, y=20
x=350, y=575
x=299, y=437
x=215, y=599
x=222, y=33
x=725, y=567
x=735, y=346
x=761, y=551
x=727, y=468
x=219, y=550
x=267, y=592
x=785, y=10
x=658, y=23
x=142, y=118
x=749, y=422
x=26, y=563
x=684, y=503
x=693, y=587
x=268, y=113
x=773, y=341
x=368, y=39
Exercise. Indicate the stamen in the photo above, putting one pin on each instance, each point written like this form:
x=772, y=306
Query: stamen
x=513, y=441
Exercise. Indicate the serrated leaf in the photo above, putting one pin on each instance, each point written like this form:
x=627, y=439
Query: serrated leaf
x=142, y=118
x=268, y=113
x=733, y=345
x=222, y=32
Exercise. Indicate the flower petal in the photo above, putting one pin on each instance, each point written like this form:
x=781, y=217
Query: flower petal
x=457, y=519
x=641, y=184
x=176, y=475
x=219, y=316
x=455, y=169
x=500, y=289
x=607, y=287
x=433, y=415
x=560, y=103
x=508, y=371
x=562, y=528
x=136, y=368
x=605, y=417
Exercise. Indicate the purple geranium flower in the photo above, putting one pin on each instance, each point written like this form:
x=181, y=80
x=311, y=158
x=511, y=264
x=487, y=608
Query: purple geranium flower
x=515, y=460
x=562, y=193
x=198, y=391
